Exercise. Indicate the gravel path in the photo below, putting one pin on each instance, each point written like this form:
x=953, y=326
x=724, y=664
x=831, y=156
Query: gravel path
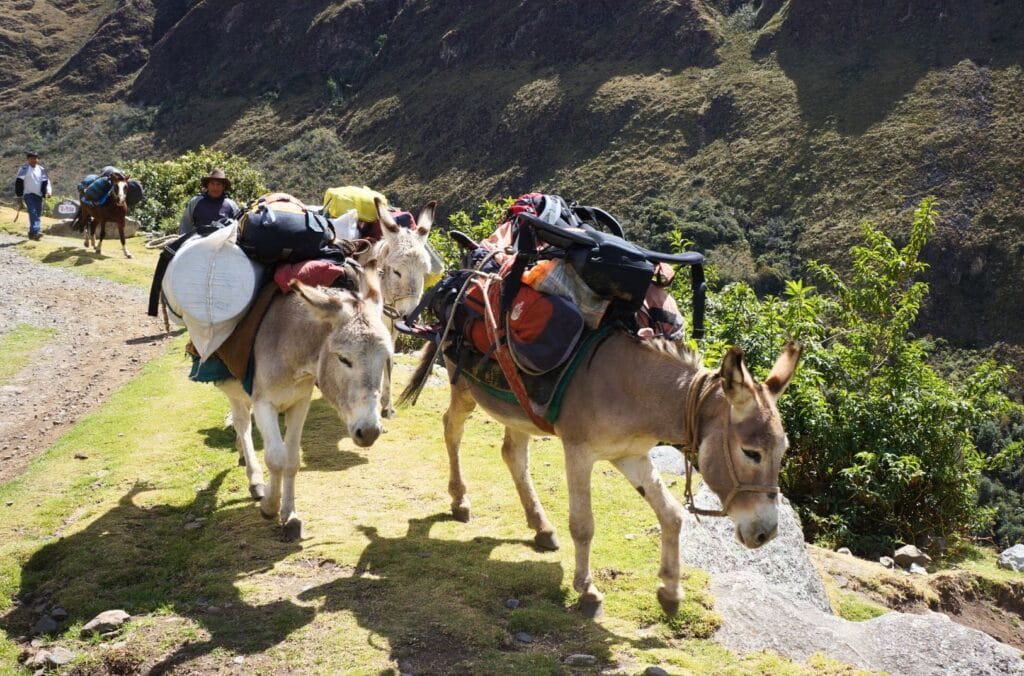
x=103, y=339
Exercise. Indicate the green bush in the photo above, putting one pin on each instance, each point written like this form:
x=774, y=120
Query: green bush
x=882, y=447
x=488, y=216
x=168, y=185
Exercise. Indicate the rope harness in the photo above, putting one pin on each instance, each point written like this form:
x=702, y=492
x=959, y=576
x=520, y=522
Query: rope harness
x=700, y=390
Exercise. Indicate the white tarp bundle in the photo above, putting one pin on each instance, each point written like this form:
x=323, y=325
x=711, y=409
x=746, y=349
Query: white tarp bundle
x=210, y=284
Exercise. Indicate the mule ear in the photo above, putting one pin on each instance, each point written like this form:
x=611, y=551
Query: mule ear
x=737, y=382
x=369, y=283
x=783, y=370
x=426, y=219
x=325, y=307
x=384, y=216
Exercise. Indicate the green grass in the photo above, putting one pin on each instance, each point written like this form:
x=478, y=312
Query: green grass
x=856, y=609
x=384, y=576
x=68, y=252
x=17, y=347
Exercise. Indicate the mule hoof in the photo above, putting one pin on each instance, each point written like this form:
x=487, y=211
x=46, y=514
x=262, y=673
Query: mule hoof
x=591, y=608
x=546, y=541
x=265, y=515
x=670, y=606
x=293, y=530
x=461, y=514
x=128, y=255
x=257, y=492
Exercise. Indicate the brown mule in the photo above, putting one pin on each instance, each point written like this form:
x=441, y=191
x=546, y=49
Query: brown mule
x=114, y=210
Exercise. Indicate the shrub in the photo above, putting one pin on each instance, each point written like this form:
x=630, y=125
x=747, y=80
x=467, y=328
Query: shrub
x=882, y=447
x=168, y=185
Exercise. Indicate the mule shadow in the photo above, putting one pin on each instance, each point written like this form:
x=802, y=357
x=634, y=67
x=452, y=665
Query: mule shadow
x=141, y=340
x=144, y=560
x=400, y=587
x=320, y=441
x=79, y=255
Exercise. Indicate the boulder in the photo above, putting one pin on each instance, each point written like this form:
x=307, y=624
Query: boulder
x=1013, y=558
x=908, y=554
x=844, y=550
x=105, y=622
x=668, y=460
x=710, y=544
x=887, y=562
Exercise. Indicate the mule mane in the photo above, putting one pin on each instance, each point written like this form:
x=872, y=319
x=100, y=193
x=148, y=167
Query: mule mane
x=676, y=350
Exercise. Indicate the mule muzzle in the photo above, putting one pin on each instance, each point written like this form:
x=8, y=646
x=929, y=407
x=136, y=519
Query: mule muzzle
x=365, y=435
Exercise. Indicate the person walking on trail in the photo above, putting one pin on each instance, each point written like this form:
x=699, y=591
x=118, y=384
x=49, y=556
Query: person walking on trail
x=31, y=185
x=211, y=205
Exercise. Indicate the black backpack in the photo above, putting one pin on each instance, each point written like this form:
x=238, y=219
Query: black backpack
x=279, y=228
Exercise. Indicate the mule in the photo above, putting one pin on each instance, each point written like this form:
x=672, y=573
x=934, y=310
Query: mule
x=114, y=210
x=404, y=266
x=625, y=398
x=333, y=339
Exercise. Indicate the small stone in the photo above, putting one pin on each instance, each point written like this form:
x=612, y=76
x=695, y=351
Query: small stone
x=511, y=604
x=841, y=581
x=630, y=536
x=81, y=456
x=655, y=671
x=45, y=625
x=58, y=657
x=194, y=525
x=107, y=621
x=424, y=555
x=213, y=610
x=908, y=554
x=844, y=550
x=915, y=569
x=58, y=613
x=523, y=637
x=238, y=659
x=581, y=660
x=887, y=562
x=39, y=660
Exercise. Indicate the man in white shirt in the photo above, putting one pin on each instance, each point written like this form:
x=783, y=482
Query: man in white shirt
x=31, y=185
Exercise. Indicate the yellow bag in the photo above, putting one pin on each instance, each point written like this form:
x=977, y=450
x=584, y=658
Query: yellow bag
x=339, y=200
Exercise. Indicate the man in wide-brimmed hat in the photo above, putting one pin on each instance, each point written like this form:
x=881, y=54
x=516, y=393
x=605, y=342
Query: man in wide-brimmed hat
x=211, y=205
x=31, y=185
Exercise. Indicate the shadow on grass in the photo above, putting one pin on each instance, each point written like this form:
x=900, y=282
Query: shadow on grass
x=142, y=559
x=436, y=605
x=440, y=605
x=77, y=255
x=320, y=448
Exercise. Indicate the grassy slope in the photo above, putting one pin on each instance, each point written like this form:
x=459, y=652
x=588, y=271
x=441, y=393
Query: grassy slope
x=384, y=576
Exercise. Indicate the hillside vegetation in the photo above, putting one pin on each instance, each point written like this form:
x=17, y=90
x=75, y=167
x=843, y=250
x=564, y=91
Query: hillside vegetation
x=765, y=130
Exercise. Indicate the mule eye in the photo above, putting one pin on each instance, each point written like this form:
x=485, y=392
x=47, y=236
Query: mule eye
x=397, y=273
x=753, y=455
x=345, y=361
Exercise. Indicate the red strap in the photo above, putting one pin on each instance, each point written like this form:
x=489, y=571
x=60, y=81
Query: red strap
x=508, y=367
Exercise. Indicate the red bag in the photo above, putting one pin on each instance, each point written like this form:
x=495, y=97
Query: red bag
x=543, y=329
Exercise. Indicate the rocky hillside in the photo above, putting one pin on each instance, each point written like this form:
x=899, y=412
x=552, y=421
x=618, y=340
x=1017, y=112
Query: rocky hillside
x=766, y=130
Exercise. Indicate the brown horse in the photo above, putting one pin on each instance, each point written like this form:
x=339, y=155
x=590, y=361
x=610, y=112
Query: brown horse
x=625, y=399
x=114, y=210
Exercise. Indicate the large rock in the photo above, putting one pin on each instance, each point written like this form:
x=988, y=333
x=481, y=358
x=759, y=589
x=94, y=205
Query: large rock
x=710, y=544
x=668, y=460
x=1013, y=558
x=772, y=598
x=756, y=616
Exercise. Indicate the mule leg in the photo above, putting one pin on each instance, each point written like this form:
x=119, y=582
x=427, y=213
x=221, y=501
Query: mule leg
x=103, y=234
x=241, y=421
x=86, y=229
x=120, y=231
x=640, y=472
x=294, y=420
x=274, y=453
x=386, y=409
x=460, y=405
x=578, y=467
x=515, y=451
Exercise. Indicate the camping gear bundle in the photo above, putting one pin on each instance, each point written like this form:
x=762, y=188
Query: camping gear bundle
x=550, y=275
x=94, y=189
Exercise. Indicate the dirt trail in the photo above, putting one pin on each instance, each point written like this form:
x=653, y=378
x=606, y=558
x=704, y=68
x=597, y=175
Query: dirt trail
x=103, y=338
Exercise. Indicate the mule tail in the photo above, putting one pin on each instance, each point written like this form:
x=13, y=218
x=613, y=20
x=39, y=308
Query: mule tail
x=419, y=378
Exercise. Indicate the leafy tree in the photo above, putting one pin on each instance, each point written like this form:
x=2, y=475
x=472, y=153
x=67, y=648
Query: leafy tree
x=488, y=216
x=169, y=184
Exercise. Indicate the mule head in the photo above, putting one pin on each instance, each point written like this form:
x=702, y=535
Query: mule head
x=350, y=365
x=118, y=189
x=405, y=262
x=743, y=442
